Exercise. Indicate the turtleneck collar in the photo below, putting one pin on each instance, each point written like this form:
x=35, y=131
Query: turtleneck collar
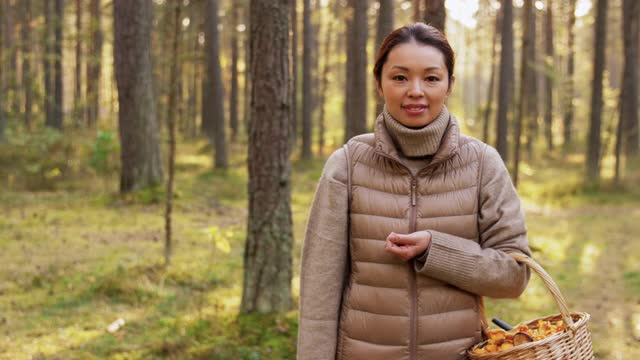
x=422, y=142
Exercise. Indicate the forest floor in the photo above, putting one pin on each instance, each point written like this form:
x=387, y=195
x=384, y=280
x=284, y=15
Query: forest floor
x=77, y=259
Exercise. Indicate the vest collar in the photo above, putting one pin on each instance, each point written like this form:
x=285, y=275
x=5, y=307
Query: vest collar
x=449, y=145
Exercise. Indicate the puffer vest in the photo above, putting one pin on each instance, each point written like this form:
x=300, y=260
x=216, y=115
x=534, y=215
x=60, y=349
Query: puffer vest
x=390, y=312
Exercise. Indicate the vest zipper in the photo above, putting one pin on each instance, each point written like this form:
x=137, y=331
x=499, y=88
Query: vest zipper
x=412, y=275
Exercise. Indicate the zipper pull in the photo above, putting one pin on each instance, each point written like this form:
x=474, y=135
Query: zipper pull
x=413, y=193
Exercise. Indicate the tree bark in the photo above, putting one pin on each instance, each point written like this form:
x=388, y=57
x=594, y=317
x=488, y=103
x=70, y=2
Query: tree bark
x=357, y=81
x=12, y=54
x=505, y=88
x=567, y=119
x=3, y=74
x=530, y=117
x=247, y=76
x=77, y=101
x=435, y=14
x=48, y=64
x=233, y=97
x=324, y=85
x=267, y=256
x=307, y=95
x=593, y=151
x=138, y=124
x=549, y=66
x=629, y=99
x=492, y=76
x=171, y=119
x=27, y=75
x=58, y=103
x=94, y=64
x=385, y=27
x=215, y=102
x=293, y=134
x=526, y=78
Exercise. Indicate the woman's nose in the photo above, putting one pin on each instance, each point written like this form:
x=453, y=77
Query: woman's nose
x=415, y=89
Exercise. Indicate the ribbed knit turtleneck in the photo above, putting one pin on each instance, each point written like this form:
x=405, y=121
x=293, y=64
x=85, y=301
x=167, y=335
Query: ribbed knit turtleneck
x=417, y=143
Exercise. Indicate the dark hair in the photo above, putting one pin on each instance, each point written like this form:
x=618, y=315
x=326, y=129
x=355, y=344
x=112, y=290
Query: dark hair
x=420, y=33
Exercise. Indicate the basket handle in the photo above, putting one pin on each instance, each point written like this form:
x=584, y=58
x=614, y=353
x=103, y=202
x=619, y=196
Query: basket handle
x=550, y=284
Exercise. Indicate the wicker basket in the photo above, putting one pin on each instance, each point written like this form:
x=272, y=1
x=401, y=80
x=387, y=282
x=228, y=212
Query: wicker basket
x=571, y=344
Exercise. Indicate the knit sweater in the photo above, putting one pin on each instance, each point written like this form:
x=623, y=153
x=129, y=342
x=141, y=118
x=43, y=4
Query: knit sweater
x=462, y=263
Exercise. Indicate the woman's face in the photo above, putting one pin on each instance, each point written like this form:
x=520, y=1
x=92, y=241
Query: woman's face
x=414, y=83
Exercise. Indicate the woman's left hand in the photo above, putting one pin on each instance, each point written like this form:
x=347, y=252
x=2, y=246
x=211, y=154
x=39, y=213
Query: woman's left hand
x=408, y=246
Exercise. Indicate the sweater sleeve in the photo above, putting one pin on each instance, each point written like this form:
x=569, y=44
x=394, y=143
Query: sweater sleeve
x=484, y=267
x=323, y=263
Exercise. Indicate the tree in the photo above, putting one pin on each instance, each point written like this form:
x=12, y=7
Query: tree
x=506, y=75
x=627, y=132
x=233, y=98
x=629, y=97
x=527, y=104
x=356, y=89
x=2, y=73
x=492, y=77
x=78, y=78
x=293, y=13
x=530, y=99
x=48, y=64
x=26, y=61
x=307, y=95
x=267, y=256
x=138, y=125
x=57, y=65
x=417, y=14
x=171, y=125
x=593, y=147
x=94, y=61
x=567, y=119
x=549, y=65
x=384, y=28
x=324, y=80
x=435, y=14
x=215, y=100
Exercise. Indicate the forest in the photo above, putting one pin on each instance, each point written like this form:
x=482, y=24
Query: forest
x=158, y=160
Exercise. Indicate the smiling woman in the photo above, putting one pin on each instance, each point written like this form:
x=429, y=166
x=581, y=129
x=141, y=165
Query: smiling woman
x=411, y=225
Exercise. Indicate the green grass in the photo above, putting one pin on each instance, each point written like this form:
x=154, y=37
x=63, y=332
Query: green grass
x=78, y=258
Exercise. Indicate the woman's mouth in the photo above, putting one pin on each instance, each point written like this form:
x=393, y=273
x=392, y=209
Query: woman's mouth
x=414, y=109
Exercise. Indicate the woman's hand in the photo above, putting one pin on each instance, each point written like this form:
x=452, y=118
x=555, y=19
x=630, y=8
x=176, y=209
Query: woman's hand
x=408, y=246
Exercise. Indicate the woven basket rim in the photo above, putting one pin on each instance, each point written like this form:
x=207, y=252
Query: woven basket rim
x=582, y=320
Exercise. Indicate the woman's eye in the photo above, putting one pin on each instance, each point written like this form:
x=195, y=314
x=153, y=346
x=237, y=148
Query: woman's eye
x=399, y=78
x=432, y=78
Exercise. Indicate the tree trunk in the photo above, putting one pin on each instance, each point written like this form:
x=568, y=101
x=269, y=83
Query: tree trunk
x=357, y=82
x=138, y=126
x=324, y=85
x=58, y=103
x=247, y=76
x=549, y=66
x=593, y=150
x=526, y=78
x=215, y=102
x=3, y=74
x=492, y=76
x=435, y=14
x=171, y=119
x=27, y=83
x=530, y=117
x=417, y=14
x=307, y=101
x=94, y=63
x=293, y=133
x=12, y=54
x=629, y=101
x=267, y=256
x=567, y=120
x=77, y=101
x=48, y=64
x=233, y=97
x=385, y=27
x=505, y=88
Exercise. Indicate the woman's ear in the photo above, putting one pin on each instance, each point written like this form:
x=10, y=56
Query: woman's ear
x=379, y=88
x=453, y=80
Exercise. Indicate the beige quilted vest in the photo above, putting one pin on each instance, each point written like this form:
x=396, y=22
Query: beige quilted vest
x=389, y=312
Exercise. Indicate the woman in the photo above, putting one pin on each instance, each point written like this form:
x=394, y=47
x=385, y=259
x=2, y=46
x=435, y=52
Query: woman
x=410, y=226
